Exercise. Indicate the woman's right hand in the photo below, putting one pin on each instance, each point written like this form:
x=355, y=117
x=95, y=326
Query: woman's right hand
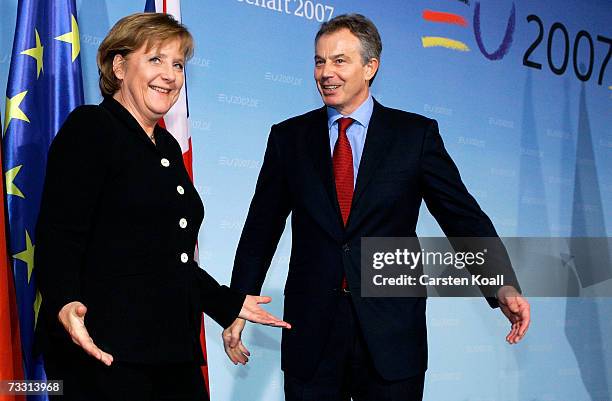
x=72, y=317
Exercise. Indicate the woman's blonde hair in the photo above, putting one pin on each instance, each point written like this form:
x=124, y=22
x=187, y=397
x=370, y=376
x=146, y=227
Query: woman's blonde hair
x=130, y=34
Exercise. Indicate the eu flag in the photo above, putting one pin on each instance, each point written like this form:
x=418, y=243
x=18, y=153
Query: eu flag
x=44, y=85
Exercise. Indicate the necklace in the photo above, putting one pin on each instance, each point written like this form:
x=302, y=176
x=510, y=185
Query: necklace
x=152, y=137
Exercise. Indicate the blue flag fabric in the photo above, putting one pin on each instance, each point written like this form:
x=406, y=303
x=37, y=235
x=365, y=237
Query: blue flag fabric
x=150, y=6
x=44, y=86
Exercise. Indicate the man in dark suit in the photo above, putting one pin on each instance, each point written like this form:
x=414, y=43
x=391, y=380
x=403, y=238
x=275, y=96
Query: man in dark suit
x=352, y=169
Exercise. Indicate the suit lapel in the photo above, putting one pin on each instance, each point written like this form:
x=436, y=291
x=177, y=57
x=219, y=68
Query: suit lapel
x=379, y=137
x=320, y=153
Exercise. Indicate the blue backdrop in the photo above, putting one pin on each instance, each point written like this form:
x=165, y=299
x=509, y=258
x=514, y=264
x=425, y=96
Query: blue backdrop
x=523, y=98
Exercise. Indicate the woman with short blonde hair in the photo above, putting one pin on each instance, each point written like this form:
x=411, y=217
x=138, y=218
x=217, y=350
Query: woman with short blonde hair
x=117, y=232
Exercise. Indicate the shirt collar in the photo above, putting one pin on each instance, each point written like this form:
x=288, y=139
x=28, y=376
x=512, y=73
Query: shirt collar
x=362, y=115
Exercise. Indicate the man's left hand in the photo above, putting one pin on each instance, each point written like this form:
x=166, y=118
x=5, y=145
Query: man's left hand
x=517, y=310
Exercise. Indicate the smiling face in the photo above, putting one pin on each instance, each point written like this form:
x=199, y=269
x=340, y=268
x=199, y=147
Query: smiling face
x=151, y=81
x=341, y=76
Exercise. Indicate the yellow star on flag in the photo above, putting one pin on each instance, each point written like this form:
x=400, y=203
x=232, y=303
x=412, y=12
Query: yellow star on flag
x=72, y=37
x=37, y=54
x=11, y=188
x=27, y=255
x=12, y=109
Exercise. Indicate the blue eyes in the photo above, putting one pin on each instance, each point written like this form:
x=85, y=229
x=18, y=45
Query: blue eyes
x=158, y=60
x=337, y=61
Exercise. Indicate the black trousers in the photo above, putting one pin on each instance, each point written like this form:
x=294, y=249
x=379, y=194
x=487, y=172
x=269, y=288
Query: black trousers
x=346, y=370
x=86, y=379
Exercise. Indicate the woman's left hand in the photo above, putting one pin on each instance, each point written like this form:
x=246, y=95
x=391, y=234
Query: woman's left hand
x=252, y=312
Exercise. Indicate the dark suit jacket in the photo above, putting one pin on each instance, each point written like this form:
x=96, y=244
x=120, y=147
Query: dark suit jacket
x=109, y=235
x=403, y=162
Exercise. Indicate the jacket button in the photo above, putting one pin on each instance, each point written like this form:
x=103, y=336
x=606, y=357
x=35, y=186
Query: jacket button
x=184, y=257
x=183, y=223
x=346, y=248
x=180, y=190
x=165, y=162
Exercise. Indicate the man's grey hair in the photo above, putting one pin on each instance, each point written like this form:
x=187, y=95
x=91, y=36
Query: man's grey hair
x=362, y=28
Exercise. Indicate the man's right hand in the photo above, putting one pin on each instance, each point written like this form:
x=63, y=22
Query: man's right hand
x=235, y=350
x=72, y=317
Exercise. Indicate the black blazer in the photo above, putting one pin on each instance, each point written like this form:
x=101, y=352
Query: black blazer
x=403, y=162
x=110, y=234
